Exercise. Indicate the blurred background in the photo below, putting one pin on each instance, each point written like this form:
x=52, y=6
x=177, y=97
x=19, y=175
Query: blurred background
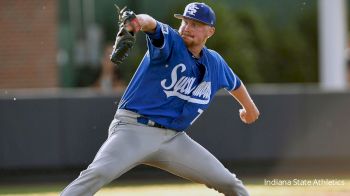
x=58, y=89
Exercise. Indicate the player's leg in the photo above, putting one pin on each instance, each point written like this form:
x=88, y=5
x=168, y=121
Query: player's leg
x=125, y=147
x=184, y=157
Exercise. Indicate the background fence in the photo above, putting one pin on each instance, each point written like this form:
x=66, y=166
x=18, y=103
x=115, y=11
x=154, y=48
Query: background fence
x=300, y=130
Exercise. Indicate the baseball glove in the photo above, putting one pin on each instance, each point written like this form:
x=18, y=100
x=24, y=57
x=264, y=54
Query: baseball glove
x=125, y=39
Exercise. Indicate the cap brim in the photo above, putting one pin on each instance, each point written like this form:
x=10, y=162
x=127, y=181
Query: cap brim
x=179, y=16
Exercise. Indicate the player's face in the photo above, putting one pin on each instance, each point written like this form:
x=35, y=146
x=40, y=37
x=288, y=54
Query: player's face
x=195, y=33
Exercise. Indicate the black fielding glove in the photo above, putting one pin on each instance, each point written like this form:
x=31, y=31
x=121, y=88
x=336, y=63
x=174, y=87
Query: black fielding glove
x=125, y=39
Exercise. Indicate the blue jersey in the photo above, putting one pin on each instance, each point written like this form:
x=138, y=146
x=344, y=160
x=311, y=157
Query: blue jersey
x=173, y=88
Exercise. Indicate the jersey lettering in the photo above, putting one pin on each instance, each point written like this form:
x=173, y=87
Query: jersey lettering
x=181, y=90
x=200, y=111
x=164, y=28
x=183, y=87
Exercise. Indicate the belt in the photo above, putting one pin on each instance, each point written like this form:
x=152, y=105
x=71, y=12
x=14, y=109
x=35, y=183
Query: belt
x=133, y=116
x=146, y=121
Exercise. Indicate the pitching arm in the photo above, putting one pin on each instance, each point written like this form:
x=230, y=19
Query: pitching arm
x=249, y=112
x=148, y=24
x=143, y=22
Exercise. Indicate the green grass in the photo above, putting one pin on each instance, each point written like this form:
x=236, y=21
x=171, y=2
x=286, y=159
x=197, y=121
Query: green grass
x=255, y=186
x=30, y=188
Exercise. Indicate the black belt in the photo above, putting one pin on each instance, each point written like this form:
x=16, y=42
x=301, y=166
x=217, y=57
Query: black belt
x=146, y=121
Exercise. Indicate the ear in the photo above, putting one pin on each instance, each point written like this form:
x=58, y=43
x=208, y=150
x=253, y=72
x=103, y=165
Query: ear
x=211, y=32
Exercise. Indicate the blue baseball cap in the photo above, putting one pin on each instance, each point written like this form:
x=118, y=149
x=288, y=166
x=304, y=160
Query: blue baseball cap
x=200, y=12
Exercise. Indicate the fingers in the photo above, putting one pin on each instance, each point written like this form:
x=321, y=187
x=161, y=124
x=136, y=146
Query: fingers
x=248, y=117
x=242, y=115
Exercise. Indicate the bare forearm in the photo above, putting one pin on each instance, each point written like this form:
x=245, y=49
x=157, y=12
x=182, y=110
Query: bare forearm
x=242, y=96
x=147, y=23
x=250, y=112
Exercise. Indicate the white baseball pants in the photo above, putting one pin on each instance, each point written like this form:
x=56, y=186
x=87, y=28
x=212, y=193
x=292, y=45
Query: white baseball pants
x=130, y=144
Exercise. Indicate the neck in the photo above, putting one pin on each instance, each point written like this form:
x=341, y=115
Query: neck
x=196, y=51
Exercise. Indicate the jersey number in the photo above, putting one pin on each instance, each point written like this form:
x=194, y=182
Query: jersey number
x=200, y=111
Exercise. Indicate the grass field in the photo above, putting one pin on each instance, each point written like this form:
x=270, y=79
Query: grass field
x=256, y=187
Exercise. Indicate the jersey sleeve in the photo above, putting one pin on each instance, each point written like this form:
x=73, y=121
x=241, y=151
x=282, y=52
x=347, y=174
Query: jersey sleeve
x=226, y=77
x=160, y=42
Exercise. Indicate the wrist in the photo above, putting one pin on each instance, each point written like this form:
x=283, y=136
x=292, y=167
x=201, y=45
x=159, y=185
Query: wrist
x=146, y=23
x=136, y=26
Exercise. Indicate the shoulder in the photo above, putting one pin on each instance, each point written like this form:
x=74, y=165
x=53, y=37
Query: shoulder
x=214, y=56
x=170, y=34
x=166, y=29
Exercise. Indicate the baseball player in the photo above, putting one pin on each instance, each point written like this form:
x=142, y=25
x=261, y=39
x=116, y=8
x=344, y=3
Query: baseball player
x=174, y=83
